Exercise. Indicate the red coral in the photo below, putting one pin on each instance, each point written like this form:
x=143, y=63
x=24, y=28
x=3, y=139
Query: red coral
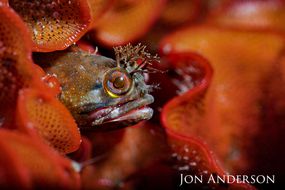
x=18, y=72
x=232, y=115
x=98, y=9
x=54, y=25
x=185, y=112
x=16, y=64
x=228, y=114
x=32, y=164
x=253, y=14
x=49, y=118
x=127, y=22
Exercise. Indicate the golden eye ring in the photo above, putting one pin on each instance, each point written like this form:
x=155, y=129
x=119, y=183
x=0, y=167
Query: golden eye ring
x=117, y=82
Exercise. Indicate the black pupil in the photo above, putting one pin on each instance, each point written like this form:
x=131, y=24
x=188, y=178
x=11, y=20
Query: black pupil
x=119, y=82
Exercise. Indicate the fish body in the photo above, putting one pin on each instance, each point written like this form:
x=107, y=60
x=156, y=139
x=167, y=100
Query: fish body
x=101, y=93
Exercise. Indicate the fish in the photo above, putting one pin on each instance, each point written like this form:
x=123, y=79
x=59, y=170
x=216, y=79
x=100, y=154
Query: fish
x=100, y=92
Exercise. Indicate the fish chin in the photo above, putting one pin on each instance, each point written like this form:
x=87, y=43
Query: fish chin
x=122, y=115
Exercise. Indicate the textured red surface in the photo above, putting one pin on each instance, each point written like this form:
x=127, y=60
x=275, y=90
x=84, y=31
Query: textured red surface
x=54, y=25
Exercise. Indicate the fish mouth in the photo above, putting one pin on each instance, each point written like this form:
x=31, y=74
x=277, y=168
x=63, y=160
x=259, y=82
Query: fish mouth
x=124, y=114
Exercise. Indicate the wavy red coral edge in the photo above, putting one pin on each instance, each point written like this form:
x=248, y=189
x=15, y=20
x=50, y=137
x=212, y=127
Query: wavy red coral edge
x=177, y=138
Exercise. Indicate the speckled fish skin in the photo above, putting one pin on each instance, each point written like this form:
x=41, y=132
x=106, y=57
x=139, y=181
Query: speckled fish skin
x=81, y=77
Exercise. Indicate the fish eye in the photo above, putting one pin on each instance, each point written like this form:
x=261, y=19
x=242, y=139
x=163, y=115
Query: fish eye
x=117, y=82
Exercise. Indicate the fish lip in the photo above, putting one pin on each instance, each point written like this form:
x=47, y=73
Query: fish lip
x=134, y=111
